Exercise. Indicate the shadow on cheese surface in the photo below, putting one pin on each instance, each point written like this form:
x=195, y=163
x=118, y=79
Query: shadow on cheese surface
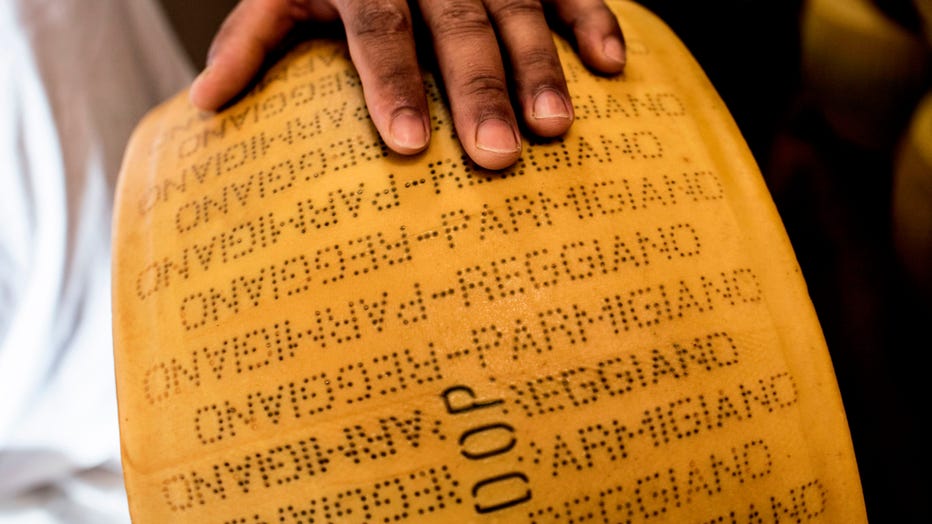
x=309, y=328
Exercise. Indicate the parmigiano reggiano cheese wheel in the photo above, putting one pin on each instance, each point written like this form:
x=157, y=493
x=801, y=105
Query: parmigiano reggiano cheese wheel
x=865, y=71
x=924, y=9
x=309, y=328
x=912, y=197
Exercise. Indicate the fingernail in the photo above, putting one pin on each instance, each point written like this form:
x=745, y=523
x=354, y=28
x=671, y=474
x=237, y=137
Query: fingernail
x=613, y=50
x=407, y=130
x=497, y=136
x=549, y=104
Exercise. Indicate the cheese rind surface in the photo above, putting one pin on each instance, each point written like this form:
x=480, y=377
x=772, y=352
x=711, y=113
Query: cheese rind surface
x=310, y=328
x=911, y=203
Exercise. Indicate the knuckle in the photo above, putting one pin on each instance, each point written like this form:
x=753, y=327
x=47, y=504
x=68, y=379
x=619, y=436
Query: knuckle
x=594, y=14
x=504, y=10
x=485, y=86
x=542, y=60
x=400, y=80
x=299, y=8
x=378, y=18
x=460, y=18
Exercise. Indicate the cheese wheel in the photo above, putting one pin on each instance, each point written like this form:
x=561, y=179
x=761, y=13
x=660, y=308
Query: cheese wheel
x=924, y=9
x=310, y=328
x=912, y=198
x=864, y=71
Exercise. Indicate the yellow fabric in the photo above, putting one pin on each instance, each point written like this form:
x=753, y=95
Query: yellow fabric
x=309, y=328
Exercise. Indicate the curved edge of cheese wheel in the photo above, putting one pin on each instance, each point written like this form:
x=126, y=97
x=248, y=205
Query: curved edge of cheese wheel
x=865, y=71
x=797, y=323
x=808, y=361
x=912, y=198
x=140, y=150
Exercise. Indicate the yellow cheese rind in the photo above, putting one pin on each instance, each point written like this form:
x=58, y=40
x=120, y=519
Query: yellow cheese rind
x=309, y=328
x=864, y=71
x=912, y=197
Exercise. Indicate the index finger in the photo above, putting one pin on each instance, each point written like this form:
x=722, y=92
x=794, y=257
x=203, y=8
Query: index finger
x=250, y=32
x=596, y=31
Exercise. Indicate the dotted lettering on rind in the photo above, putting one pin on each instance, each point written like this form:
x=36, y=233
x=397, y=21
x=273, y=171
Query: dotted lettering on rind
x=620, y=375
x=299, y=459
x=561, y=325
x=417, y=494
x=315, y=395
x=807, y=502
x=656, y=494
x=515, y=213
x=670, y=423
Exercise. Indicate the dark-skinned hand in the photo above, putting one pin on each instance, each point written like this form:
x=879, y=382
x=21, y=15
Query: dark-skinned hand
x=472, y=39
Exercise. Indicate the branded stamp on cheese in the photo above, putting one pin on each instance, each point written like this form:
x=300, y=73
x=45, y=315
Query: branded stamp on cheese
x=309, y=328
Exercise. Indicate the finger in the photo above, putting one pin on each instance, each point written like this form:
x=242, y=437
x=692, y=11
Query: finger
x=381, y=43
x=247, y=35
x=598, y=36
x=471, y=67
x=538, y=75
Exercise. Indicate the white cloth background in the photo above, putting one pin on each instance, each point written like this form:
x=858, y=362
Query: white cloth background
x=75, y=77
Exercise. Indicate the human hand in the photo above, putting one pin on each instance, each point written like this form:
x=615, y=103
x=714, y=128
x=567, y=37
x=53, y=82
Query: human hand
x=382, y=46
